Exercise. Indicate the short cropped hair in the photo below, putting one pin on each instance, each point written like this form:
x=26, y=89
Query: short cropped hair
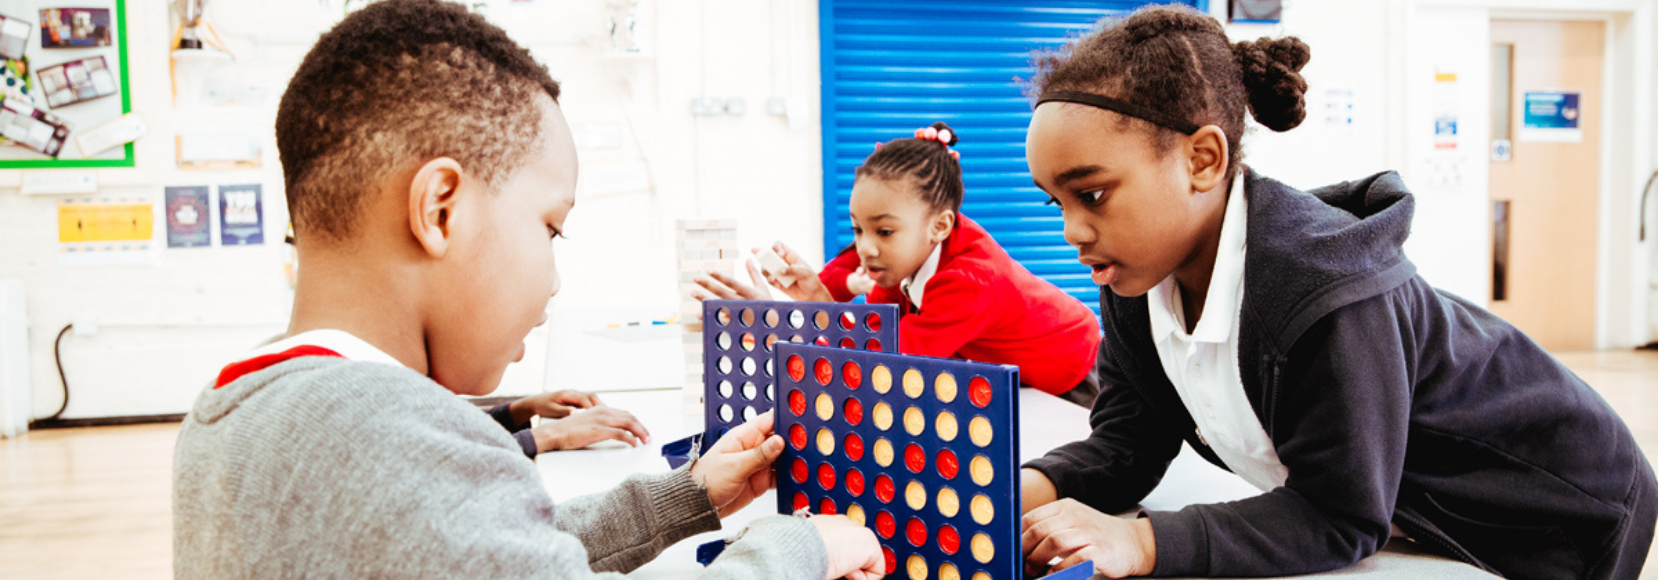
x=401, y=81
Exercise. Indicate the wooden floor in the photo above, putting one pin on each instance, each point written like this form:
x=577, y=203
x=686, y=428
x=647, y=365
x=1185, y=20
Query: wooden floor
x=95, y=502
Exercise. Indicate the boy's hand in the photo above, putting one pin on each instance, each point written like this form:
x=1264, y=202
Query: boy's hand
x=554, y=405
x=1075, y=533
x=737, y=468
x=589, y=427
x=854, y=552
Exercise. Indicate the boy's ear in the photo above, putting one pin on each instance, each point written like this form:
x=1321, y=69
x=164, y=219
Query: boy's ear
x=1209, y=155
x=432, y=203
x=943, y=223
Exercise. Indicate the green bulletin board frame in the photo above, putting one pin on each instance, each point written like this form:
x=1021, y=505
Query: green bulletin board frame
x=127, y=159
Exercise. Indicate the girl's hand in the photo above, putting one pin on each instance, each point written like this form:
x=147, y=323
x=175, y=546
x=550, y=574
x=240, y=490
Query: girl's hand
x=1035, y=490
x=859, y=282
x=1075, y=533
x=854, y=553
x=806, y=287
x=737, y=468
x=589, y=427
x=720, y=285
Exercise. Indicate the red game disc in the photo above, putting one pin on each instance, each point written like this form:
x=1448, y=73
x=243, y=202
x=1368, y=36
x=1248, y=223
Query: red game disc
x=873, y=321
x=797, y=402
x=884, y=524
x=872, y=345
x=915, y=458
x=884, y=490
x=948, y=539
x=854, y=482
x=825, y=372
x=797, y=368
x=852, y=375
x=854, y=411
x=798, y=470
x=822, y=341
x=797, y=436
x=826, y=476
x=849, y=343
x=892, y=560
x=826, y=507
x=854, y=446
x=916, y=532
x=978, y=390
x=800, y=501
x=948, y=466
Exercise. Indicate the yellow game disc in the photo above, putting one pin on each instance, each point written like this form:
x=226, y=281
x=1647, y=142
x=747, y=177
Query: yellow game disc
x=914, y=383
x=881, y=379
x=946, y=426
x=915, y=495
x=982, y=472
x=979, y=430
x=855, y=513
x=917, y=567
x=945, y=384
x=948, y=504
x=825, y=442
x=948, y=572
x=883, y=452
x=825, y=406
x=882, y=416
x=981, y=576
x=983, y=548
x=983, y=511
x=914, y=421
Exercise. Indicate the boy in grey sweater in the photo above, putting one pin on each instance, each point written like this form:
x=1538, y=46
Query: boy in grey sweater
x=428, y=167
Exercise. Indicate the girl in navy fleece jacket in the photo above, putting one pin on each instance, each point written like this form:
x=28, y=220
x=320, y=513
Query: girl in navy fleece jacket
x=1285, y=336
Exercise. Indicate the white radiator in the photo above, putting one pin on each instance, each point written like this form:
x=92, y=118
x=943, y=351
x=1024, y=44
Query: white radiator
x=16, y=402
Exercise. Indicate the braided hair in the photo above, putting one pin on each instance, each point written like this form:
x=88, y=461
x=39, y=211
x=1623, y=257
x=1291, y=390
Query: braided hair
x=1180, y=62
x=936, y=172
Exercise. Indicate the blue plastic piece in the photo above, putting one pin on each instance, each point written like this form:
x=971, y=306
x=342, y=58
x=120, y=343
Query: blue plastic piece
x=738, y=373
x=707, y=552
x=1082, y=571
x=940, y=431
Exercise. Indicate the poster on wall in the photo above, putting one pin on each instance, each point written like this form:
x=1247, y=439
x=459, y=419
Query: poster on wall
x=189, y=218
x=1445, y=111
x=1551, y=117
x=241, y=215
x=106, y=232
x=63, y=74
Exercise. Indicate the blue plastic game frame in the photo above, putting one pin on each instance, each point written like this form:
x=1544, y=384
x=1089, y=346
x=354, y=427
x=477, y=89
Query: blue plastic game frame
x=744, y=338
x=802, y=424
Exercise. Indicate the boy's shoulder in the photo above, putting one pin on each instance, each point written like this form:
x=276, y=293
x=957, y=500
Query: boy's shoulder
x=319, y=381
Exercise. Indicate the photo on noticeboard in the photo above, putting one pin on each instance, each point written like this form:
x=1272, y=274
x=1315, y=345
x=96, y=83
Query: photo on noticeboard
x=76, y=81
x=74, y=27
x=14, y=37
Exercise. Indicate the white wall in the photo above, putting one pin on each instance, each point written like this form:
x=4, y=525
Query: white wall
x=169, y=327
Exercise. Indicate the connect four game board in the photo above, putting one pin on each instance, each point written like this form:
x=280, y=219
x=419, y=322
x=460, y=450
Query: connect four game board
x=924, y=451
x=739, y=337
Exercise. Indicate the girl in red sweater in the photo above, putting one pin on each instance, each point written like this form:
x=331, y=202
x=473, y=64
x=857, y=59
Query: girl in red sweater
x=959, y=294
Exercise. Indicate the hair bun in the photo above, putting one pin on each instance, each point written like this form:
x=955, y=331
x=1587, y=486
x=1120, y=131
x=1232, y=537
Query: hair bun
x=1272, y=77
x=954, y=136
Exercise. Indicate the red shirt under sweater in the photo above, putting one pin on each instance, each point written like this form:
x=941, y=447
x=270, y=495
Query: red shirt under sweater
x=982, y=305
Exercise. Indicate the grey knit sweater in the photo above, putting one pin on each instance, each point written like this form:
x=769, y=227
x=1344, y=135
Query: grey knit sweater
x=272, y=478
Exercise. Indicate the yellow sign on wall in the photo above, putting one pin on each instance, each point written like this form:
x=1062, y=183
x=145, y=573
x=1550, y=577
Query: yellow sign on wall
x=105, y=222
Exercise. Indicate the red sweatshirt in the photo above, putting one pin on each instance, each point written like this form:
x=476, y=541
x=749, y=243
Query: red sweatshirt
x=983, y=306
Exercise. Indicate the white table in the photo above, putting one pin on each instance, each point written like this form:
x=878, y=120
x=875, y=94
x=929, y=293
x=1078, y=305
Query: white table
x=1048, y=422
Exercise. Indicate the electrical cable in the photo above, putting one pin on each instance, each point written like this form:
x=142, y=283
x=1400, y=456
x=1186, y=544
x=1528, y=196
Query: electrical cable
x=57, y=357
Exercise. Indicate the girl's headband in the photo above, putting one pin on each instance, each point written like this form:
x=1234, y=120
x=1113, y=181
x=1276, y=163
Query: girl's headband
x=1146, y=114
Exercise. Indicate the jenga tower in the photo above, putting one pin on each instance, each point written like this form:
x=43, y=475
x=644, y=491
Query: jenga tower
x=704, y=244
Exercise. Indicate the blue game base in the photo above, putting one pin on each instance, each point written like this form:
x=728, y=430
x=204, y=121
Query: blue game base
x=679, y=451
x=706, y=554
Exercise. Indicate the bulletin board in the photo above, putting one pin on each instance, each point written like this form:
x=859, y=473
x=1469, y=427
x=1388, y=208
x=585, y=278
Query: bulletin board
x=79, y=37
